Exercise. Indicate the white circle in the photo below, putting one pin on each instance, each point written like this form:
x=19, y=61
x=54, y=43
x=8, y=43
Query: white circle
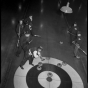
x=42, y=79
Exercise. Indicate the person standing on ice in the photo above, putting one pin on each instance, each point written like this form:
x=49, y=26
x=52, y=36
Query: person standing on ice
x=38, y=52
x=25, y=37
x=29, y=26
x=75, y=39
x=73, y=33
x=77, y=43
x=19, y=30
x=25, y=33
x=30, y=54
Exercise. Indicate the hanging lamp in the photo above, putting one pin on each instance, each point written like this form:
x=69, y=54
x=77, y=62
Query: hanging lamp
x=66, y=9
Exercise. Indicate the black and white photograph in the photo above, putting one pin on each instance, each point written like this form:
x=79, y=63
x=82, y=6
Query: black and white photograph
x=44, y=44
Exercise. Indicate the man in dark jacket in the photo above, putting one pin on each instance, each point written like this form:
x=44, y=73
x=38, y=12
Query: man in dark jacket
x=24, y=44
x=25, y=37
x=30, y=54
x=24, y=34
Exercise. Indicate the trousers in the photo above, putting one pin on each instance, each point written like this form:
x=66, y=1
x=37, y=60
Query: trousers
x=25, y=58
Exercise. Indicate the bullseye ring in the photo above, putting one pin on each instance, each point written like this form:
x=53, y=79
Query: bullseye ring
x=49, y=82
x=34, y=75
x=68, y=77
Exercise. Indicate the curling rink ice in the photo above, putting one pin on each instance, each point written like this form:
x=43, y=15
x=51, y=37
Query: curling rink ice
x=31, y=77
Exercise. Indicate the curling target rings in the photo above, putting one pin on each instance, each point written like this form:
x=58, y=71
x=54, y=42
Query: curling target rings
x=20, y=75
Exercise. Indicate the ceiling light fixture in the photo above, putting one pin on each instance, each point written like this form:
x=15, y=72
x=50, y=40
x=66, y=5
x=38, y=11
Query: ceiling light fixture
x=66, y=9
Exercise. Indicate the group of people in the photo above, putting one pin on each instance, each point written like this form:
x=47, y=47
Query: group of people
x=25, y=36
x=75, y=38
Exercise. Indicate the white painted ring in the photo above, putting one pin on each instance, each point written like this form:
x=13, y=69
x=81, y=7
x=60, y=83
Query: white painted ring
x=20, y=75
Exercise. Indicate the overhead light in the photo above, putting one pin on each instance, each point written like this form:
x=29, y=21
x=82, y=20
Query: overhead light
x=66, y=9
